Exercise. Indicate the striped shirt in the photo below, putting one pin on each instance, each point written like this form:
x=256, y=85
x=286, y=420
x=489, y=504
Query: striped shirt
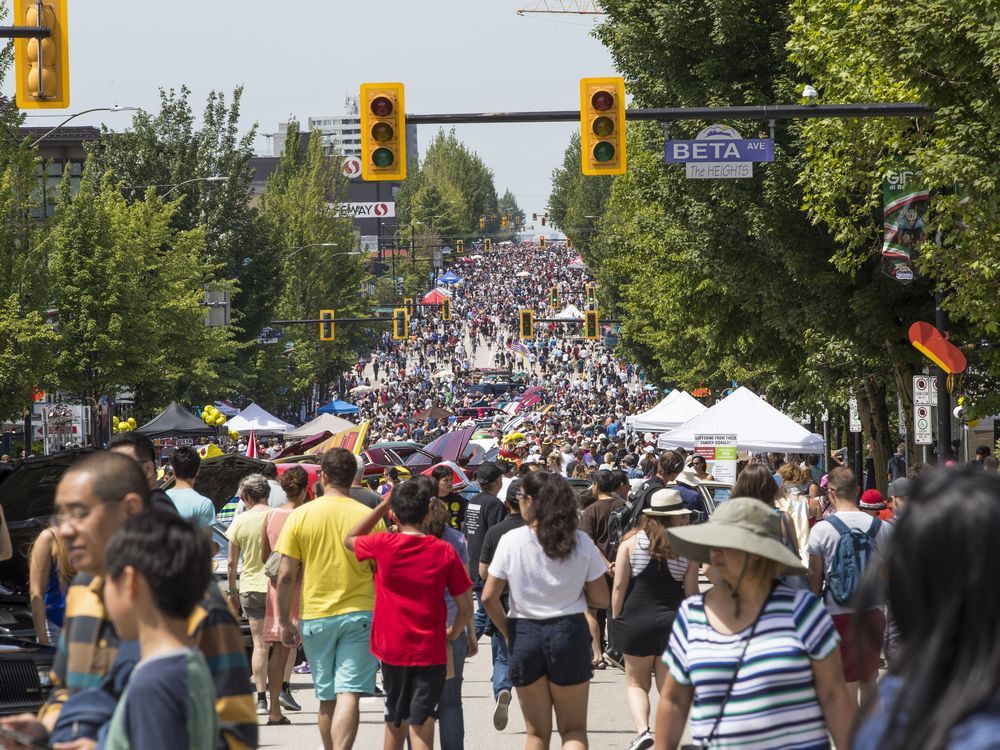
x=773, y=703
x=639, y=558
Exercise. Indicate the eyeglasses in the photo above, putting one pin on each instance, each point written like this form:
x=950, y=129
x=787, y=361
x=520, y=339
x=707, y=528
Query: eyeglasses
x=75, y=516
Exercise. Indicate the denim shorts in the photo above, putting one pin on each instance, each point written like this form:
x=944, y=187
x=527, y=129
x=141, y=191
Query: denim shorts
x=339, y=654
x=557, y=648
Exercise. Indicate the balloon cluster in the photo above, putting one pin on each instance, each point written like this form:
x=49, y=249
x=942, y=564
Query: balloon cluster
x=234, y=435
x=212, y=416
x=122, y=425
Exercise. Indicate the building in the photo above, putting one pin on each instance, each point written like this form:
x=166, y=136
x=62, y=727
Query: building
x=59, y=152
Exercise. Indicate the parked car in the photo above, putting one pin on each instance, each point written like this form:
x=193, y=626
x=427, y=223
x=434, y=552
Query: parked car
x=24, y=674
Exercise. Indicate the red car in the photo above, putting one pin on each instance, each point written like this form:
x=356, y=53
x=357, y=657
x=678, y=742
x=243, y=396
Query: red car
x=449, y=447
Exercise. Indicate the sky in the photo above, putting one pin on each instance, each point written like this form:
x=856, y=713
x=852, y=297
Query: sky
x=300, y=59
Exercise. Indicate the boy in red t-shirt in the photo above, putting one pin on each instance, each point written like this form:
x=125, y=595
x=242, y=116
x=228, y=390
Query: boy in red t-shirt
x=409, y=634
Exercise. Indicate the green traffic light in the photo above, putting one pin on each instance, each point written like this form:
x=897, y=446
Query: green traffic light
x=604, y=151
x=382, y=157
x=382, y=132
x=603, y=126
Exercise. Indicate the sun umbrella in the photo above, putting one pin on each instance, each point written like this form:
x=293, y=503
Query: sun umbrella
x=361, y=389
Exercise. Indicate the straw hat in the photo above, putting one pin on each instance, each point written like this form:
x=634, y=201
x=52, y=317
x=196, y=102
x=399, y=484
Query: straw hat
x=741, y=523
x=666, y=503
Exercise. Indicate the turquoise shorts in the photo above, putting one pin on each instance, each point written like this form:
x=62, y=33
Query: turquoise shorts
x=339, y=653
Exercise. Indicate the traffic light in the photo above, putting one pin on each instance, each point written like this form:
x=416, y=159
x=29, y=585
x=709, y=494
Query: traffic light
x=602, y=125
x=482, y=222
x=543, y=220
x=527, y=327
x=42, y=65
x=591, y=325
x=534, y=217
x=408, y=306
x=400, y=323
x=383, y=131
x=569, y=243
x=446, y=309
x=591, y=295
x=459, y=246
x=541, y=243
x=554, y=296
x=327, y=329
x=487, y=244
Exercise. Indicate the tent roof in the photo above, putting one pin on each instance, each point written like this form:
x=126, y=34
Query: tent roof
x=571, y=312
x=673, y=411
x=323, y=423
x=175, y=421
x=758, y=426
x=338, y=406
x=435, y=296
x=257, y=419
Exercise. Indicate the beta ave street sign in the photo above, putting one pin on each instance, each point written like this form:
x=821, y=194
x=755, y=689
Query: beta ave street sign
x=719, y=152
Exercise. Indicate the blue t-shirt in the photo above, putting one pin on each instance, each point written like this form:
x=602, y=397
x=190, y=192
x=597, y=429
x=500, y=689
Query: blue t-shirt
x=169, y=703
x=980, y=731
x=193, y=505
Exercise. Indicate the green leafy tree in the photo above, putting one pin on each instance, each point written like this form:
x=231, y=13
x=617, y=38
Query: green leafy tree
x=577, y=200
x=507, y=206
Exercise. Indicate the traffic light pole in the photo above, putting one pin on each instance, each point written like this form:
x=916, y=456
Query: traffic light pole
x=676, y=114
x=25, y=32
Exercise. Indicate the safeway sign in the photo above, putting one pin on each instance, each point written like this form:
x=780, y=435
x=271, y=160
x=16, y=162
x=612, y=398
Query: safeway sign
x=380, y=210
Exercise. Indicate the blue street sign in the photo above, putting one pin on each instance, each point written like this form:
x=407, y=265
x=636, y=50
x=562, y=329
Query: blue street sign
x=718, y=150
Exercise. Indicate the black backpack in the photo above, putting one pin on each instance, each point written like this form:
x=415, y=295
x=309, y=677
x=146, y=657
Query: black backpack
x=625, y=518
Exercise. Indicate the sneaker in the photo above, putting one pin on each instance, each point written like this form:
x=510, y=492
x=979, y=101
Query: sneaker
x=262, y=707
x=642, y=741
x=288, y=702
x=302, y=668
x=615, y=659
x=501, y=709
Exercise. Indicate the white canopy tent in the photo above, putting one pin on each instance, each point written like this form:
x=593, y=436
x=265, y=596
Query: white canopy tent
x=256, y=419
x=571, y=312
x=758, y=427
x=323, y=423
x=674, y=410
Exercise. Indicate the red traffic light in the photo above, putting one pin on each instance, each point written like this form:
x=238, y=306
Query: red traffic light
x=381, y=106
x=602, y=101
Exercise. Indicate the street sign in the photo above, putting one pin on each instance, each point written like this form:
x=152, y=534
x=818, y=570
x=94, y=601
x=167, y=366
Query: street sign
x=376, y=210
x=855, y=419
x=934, y=400
x=351, y=167
x=719, y=152
x=922, y=425
x=270, y=335
x=922, y=389
x=369, y=243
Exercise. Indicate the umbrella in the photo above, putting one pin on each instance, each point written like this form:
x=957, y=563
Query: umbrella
x=523, y=274
x=459, y=479
x=361, y=389
x=252, y=446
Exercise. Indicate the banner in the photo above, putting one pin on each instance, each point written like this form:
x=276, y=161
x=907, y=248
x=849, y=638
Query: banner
x=720, y=453
x=904, y=207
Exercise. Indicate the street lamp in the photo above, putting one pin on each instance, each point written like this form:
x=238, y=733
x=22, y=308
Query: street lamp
x=211, y=178
x=114, y=108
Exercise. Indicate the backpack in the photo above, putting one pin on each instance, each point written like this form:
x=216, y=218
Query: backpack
x=625, y=518
x=855, y=550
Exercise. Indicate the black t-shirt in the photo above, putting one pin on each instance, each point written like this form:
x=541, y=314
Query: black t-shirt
x=482, y=513
x=456, y=507
x=511, y=522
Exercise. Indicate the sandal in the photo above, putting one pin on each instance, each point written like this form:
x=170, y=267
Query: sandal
x=280, y=722
x=598, y=664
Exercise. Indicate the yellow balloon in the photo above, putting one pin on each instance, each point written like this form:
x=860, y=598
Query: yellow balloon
x=131, y=421
x=220, y=419
x=114, y=421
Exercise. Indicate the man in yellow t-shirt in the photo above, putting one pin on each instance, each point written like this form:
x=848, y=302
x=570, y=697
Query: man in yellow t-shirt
x=338, y=596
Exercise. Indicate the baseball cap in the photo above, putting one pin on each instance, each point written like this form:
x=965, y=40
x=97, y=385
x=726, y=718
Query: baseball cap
x=900, y=487
x=512, y=491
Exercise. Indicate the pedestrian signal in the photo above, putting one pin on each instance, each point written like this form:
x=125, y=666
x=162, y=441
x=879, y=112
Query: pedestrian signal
x=446, y=309
x=527, y=327
x=591, y=325
x=41, y=65
x=408, y=306
x=487, y=244
x=327, y=328
x=383, y=132
x=400, y=323
x=554, y=297
x=602, y=125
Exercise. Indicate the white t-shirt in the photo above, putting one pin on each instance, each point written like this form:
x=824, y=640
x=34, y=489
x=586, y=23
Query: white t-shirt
x=823, y=540
x=541, y=587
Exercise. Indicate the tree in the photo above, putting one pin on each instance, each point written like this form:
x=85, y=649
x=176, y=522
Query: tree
x=577, y=200
x=128, y=287
x=507, y=207
x=298, y=205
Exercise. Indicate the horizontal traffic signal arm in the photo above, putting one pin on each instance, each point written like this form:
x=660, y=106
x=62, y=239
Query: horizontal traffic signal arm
x=672, y=114
x=602, y=321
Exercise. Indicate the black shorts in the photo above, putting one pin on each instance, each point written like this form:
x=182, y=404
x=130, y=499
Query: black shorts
x=557, y=648
x=412, y=693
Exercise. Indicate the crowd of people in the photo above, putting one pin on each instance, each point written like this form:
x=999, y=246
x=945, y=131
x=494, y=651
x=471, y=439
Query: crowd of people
x=765, y=624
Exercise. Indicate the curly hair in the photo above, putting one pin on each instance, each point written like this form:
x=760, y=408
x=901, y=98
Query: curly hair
x=553, y=511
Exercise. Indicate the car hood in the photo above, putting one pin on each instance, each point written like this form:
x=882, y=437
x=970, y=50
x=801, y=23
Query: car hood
x=449, y=447
x=28, y=493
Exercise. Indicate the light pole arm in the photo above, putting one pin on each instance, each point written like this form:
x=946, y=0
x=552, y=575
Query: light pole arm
x=78, y=114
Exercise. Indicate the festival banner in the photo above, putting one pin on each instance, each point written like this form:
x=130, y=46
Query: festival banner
x=904, y=207
x=720, y=454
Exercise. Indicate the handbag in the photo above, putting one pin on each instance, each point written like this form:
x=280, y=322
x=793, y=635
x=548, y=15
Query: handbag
x=707, y=742
x=271, y=566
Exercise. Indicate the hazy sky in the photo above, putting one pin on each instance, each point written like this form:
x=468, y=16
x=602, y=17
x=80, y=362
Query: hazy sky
x=301, y=59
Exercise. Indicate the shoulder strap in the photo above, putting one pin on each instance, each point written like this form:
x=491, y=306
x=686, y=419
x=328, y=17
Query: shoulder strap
x=841, y=527
x=873, y=529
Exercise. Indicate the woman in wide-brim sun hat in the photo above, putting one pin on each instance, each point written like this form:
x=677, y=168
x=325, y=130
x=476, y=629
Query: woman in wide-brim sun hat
x=754, y=661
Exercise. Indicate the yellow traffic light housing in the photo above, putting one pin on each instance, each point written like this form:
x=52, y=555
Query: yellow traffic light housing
x=459, y=246
x=400, y=324
x=487, y=244
x=327, y=328
x=482, y=222
x=527, y=324
x=554, y=297
x=602, y=125
x=541, y=243
x=592, y=295
x=408, y=306
x=446, y=309
x=591, y=325
x=383, y=132
x=42, y=65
